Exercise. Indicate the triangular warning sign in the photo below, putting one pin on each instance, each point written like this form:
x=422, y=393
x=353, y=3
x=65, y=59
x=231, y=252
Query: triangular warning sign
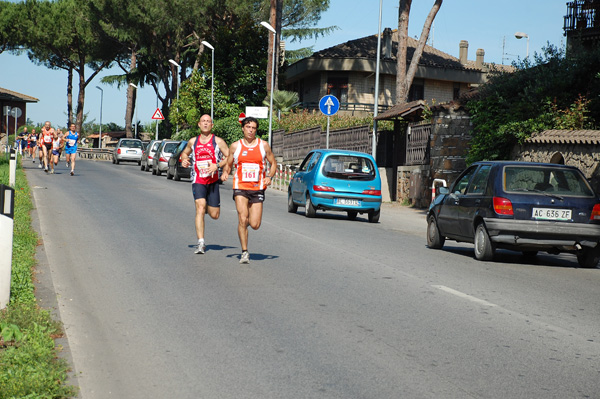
x=158, y=115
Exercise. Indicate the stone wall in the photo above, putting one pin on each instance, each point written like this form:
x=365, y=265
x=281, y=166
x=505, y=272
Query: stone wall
x=450, y=137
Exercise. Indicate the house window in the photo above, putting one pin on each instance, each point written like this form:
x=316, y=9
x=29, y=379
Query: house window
x=417, y=90
x=456, y=91
x=338, y=87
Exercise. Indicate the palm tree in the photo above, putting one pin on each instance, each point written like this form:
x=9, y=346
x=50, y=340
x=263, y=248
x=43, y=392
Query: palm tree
x=283, y=101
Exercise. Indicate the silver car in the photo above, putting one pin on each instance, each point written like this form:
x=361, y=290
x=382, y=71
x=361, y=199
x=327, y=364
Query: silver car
x=129, y=150
x=148, y=155
x=163, y=153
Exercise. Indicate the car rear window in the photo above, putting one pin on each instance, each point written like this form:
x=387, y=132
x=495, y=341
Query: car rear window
x=546, y=179
x=170, y=147
x=348, y=167
x=131, y=144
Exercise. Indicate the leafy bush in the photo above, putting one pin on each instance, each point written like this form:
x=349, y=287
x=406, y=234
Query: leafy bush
x=549, y=93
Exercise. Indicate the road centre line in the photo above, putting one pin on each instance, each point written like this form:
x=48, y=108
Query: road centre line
x=463, y=295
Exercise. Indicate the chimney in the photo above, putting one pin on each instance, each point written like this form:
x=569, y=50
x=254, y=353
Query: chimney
x=479, y=60
x=463, y=51
x=386, y=40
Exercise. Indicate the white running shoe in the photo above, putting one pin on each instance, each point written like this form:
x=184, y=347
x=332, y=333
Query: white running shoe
x=201, y=248
x=40, y=166
x=245, y=258
x=67, y=164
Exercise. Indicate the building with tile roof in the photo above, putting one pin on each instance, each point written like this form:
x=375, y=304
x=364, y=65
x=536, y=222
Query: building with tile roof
x=12, y=99
x=347, y=71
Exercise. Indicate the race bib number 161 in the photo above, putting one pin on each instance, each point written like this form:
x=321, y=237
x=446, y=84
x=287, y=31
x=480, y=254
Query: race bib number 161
x=250, y=172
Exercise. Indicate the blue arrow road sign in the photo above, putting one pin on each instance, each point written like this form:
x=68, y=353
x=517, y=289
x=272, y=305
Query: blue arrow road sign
x=329, y=105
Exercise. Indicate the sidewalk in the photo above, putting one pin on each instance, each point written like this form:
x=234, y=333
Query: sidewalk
x=404, y=218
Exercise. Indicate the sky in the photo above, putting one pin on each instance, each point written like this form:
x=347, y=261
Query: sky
x=487, y=24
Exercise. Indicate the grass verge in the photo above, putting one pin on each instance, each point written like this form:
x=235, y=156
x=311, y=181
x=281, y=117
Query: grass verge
x=29, y=365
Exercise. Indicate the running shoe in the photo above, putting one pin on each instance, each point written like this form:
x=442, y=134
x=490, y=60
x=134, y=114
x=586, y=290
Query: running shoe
x=40, y=166
x=46, y=169
x=201, y=248
x=245, y=258
x=72, y=173
x=67, y=164
x=52, y=172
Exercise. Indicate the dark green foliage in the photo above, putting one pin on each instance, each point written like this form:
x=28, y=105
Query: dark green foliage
x=549, y=93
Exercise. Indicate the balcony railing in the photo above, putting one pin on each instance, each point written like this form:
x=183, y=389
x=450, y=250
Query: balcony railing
x=352, y=107
x=581, y=15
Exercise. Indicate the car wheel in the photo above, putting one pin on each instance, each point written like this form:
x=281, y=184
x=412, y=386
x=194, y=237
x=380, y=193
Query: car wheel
x=113, y=160
x=158, y=172
x=374, y=216
x=117, y=161
x=309, y=209
x=484, y=248
x=434, y=239
x=352, y=215
x=292, y=208
x=153, y=171
x=143, y=167
x=169, y=175
x=176, y=176
x=588, y=257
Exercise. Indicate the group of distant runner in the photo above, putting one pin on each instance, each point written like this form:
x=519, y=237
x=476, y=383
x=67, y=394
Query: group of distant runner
x=207, y=153
x=49, y=143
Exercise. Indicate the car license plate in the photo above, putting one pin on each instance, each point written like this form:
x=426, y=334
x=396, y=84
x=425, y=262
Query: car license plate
x=551, y=214
x=131, y=151
x=347, y=202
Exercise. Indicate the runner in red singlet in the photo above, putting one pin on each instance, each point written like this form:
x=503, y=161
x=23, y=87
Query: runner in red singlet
x=250, y=180
x=207, y=151
x=47, y=138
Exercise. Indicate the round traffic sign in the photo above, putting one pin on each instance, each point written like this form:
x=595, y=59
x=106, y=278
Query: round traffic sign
x=16, y=112
x=329, y=105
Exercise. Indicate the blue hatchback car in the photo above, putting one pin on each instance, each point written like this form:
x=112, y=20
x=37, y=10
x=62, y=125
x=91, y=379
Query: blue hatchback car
x=337, y=180
x=520, y=206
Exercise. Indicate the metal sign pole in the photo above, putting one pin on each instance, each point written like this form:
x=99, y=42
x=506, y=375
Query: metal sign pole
x=327, y=145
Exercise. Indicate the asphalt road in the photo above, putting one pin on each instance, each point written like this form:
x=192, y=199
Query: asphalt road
x=327, y=308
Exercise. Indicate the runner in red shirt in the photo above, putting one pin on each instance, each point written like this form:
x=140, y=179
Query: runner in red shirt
x=47, y=138
x=250, y=180
x=207, y=150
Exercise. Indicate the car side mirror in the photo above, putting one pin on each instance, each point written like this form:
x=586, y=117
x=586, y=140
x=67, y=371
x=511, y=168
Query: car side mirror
x=293, y=168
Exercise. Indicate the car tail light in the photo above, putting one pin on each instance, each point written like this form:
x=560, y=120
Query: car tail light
x=323, y=188
x=150, y=156
x=163, y=159
x=372, y=192
x=595, y=213
x=503, y=206
x=118, y=151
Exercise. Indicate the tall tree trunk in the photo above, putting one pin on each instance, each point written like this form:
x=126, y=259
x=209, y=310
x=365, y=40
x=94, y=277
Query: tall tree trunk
x=81, y=96
x=275, y=21
x=404, y=77
x=129, y=108
x=70, y=96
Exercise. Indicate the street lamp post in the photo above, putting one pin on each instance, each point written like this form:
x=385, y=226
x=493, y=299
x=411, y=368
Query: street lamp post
x=136, y=108
x=212, y=78
x=376, y=102
x=273, y=61
x=157, y=121
x=100, y=130
x=178, y=72
x=521, y=35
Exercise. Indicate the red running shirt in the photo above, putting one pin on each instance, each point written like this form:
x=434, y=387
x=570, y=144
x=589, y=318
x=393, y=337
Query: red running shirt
x=250, y=164
x=203, y=154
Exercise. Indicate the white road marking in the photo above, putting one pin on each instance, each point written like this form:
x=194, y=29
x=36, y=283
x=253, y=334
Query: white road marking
x=463, y=295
